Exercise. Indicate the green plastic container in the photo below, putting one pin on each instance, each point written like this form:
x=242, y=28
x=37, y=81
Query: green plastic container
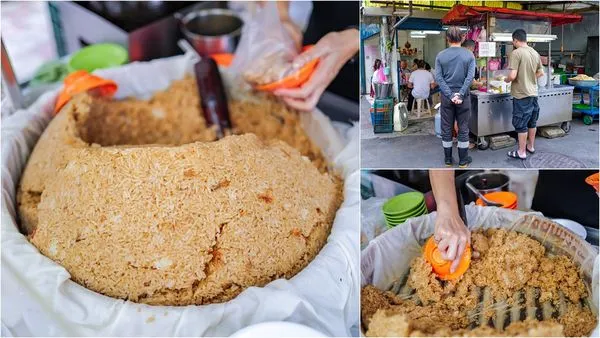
x=403, y=203
x=98, y=56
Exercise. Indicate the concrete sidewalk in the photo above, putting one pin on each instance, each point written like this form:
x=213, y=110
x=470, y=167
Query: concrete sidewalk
x=421, y=149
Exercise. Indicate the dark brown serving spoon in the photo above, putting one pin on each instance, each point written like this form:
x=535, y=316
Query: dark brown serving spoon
x=213, y=98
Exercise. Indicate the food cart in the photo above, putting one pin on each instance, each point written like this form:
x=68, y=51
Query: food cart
x=491, y=111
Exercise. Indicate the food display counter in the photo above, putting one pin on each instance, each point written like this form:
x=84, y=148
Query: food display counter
x=492, y=113
x=491, y=108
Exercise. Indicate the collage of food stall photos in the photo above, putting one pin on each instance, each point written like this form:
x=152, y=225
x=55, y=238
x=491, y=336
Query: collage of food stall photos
x=381, y=168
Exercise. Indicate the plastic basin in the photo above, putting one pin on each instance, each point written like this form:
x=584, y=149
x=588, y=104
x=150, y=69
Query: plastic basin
x=98, y=56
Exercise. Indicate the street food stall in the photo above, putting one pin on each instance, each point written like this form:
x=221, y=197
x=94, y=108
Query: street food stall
x=491, y=28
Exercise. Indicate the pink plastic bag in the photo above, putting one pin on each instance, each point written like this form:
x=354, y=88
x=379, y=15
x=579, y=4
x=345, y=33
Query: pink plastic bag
x=380, y=76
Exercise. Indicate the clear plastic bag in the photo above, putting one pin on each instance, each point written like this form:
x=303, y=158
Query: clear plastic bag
x=266, y=50
x=372, y=223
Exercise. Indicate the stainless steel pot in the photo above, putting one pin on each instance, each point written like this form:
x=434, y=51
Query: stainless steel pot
x=488, y=182
x=383, y=90
x=212, y=31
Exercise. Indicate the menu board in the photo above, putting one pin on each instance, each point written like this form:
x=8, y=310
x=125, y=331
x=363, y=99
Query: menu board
x=487, y=49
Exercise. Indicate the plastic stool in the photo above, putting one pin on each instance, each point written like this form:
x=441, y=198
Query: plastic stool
x=420, y=108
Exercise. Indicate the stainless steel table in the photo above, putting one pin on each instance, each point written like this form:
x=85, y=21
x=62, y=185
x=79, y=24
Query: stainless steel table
x=492, y=113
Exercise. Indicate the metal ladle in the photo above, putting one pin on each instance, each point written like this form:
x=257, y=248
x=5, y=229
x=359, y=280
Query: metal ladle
x=480, y=195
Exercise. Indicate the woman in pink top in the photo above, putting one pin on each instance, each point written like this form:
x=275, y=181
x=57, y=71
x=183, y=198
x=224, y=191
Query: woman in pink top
x=378, y=75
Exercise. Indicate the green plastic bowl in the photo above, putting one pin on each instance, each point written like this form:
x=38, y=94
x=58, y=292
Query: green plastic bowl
x=98, y=56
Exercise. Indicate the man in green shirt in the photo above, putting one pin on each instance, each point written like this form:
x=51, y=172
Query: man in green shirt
x=525, y=67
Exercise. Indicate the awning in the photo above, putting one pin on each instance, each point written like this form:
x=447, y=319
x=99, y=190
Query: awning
x=461, y=14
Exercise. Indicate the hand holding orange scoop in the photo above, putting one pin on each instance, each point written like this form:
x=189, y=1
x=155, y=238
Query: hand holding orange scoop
x=82, y=81
x=441, y=267
x=294, y=80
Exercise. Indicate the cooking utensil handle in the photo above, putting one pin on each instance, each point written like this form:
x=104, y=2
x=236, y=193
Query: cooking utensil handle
x=473, y=189
x=187, y=48
x=461, y=205
x=213, y=99
x=480, y=195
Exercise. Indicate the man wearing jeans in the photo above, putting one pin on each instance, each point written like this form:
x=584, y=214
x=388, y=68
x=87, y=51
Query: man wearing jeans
x=525, y=67
x=454, y=72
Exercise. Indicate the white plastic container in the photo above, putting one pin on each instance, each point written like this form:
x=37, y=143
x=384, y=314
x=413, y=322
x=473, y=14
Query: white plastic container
x=437, y=121
x=400, y=117
x=523, y=183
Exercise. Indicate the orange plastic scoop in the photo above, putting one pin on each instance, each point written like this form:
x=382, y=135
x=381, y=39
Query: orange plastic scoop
x=506, y=198
x=593, y=180
x=440, y=266
x=82, y=81
x=294, y=80
x=223, y=59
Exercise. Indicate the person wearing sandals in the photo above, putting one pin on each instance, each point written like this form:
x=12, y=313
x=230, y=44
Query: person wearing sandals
x=454, y=72
x=525, y=67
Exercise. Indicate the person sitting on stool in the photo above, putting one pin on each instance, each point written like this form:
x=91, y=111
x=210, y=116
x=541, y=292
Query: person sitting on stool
x=421, y=82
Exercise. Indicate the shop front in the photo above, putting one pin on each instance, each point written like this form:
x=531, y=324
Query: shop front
x=491, y=29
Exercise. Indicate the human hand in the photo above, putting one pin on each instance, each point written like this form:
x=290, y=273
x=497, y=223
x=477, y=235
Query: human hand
x=456, y=99
x=451, y=236
x=333, y=50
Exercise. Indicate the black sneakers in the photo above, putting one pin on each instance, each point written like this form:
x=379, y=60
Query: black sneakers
x=448, y=156
x=465, y=159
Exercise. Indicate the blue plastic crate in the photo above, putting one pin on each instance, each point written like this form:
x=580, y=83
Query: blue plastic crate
x=382, y=115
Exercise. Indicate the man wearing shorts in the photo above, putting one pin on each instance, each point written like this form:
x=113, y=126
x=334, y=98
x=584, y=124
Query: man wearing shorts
x=454, y=72
x=525, y=67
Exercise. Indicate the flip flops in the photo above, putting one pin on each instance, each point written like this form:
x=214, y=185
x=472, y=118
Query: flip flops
x=530, y=151
x=515, y=154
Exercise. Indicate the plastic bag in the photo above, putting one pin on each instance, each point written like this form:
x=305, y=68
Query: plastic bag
x=372, y=223
x=380, y=76
x=266, y=50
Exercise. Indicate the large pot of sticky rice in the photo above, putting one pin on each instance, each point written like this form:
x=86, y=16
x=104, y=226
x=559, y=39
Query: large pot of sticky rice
x=129, y=217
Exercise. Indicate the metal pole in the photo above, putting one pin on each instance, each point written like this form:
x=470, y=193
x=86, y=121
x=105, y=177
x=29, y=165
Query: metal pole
x=487, y=59
x=549, y=84
x=410, y=11
x=383, y=41
x=9, y=81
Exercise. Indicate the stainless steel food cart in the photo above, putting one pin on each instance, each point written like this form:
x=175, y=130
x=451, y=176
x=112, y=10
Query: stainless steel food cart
x=491, y=113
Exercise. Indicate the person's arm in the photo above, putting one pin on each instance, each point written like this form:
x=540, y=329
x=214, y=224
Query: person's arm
x=333, y=51
x=439, y=78
x=513, y=65
x=470, y=76
x=451, y=234
x=539, y=72
x=432, y=83
x=411, y=81
x=512, y=75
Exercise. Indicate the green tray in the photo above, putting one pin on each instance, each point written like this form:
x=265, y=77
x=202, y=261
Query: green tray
x=391, y=224
x=98, y=56
x=406, y=213
x=417, y=212
x=581, y=106
x=403, y=203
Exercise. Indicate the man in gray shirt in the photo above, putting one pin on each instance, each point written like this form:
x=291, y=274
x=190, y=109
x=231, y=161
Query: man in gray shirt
x=454, y=72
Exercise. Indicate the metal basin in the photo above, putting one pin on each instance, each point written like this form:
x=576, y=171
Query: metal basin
x=383, y=90
x=488, y=182
x=212, y=31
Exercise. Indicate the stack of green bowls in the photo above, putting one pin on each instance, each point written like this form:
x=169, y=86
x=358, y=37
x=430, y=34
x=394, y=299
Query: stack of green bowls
x=402, y=207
